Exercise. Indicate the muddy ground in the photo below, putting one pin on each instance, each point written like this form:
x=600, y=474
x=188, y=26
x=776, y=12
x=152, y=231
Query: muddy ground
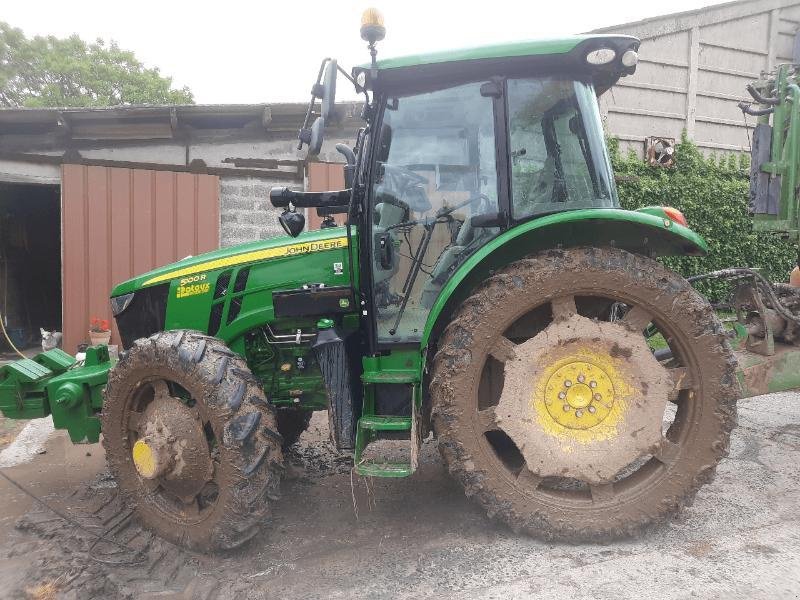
x=414, y=538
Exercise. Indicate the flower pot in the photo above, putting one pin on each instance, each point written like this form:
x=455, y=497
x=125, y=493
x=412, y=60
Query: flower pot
x=100, y=337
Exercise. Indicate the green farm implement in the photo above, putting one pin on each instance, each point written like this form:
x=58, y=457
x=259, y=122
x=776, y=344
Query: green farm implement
x=482, y=283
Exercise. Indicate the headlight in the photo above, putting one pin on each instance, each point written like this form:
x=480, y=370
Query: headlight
x=601, y=56
x=361, y=79
x=630, y=58
x=120, y=303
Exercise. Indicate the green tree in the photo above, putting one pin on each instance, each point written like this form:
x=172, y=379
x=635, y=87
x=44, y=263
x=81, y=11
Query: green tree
x=48, y=71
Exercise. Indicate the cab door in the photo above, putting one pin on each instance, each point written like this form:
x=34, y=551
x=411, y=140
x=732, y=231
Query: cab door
x=433, y=202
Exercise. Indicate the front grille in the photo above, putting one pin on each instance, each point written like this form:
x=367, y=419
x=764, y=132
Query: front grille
x=215, y=319
x=222, y=285
x=241, y=280
x=145, y=315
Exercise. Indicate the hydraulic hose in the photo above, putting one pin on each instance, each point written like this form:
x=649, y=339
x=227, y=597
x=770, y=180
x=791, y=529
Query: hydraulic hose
x=765, y=286
x=8, y=339
x=755, y=112
x=768, y=100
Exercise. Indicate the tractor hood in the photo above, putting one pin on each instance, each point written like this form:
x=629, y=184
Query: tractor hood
x=251, y=252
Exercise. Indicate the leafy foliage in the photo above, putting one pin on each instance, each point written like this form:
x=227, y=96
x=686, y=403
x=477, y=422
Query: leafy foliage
x=713, y=195
x=48, y=71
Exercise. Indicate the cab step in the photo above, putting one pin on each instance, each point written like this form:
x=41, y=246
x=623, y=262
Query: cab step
x=378, y=457
x=385, y=423
x=374, y=469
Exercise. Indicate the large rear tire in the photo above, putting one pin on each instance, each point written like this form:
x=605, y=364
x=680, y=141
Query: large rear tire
x=503, y=369
x=191, y=440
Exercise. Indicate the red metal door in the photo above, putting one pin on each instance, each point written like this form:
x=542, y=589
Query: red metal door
x=117, y=223
x=323, y=177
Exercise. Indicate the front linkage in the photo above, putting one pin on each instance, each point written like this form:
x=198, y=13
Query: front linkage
x=54, y=382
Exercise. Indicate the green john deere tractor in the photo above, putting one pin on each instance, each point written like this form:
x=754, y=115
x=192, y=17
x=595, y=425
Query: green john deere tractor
x=484, y=285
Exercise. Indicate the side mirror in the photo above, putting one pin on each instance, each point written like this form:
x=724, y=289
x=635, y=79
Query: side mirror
x=329, y=91
x=316, y=136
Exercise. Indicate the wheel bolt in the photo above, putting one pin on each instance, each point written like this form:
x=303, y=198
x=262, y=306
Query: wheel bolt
x=592, y=384
x=581, y=378
x=598, y=397
x=567, y=408
x=567, y=383
x=579, y=413
x=592, y=409
x=561, y=395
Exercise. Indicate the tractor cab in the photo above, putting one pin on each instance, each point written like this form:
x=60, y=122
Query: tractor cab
x=455, y=167
x=460, y=147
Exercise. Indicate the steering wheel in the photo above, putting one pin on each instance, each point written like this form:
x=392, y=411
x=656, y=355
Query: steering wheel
x=404, y=172
x=447, y=210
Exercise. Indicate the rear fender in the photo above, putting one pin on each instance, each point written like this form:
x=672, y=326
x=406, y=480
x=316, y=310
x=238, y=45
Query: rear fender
x=634, y=231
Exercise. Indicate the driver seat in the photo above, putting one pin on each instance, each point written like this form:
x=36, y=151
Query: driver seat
x=467, y=237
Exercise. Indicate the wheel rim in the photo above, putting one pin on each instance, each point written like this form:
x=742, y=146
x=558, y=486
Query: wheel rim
x=635, y=478
x=174, y=449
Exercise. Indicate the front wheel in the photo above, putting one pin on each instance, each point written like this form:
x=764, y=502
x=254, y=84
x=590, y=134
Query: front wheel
x=191, y=440
x=552, y=409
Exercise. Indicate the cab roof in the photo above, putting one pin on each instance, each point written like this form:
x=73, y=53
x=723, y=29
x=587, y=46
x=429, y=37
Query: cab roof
x=507, y=50
x=564, y=56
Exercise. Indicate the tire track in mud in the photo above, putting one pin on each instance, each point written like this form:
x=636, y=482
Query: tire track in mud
x=87, y=568
x=128, y=562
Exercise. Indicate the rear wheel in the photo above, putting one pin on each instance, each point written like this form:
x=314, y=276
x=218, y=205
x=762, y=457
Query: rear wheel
x=191, y=440
x=552, y=410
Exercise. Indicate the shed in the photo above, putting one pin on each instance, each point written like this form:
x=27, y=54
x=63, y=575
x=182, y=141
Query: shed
x=91, y=197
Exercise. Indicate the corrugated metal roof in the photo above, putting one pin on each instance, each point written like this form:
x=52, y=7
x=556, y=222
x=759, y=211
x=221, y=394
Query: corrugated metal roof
x=143, y=118
x=156, y=122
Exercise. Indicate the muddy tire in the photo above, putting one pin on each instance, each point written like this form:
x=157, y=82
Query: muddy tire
x=292, y=423
x=513, y=307
x=215, y=428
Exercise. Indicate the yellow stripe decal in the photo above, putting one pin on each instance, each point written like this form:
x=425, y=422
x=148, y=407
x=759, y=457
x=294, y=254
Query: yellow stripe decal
x=254, y=256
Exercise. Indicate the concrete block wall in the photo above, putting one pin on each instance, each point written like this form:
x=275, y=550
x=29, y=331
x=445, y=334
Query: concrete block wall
x=245, y=210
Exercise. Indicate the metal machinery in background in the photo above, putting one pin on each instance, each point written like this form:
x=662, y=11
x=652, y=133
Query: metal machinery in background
x=767, y=313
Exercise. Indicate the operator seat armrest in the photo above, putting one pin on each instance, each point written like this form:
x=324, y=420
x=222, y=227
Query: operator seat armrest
x=281, y=197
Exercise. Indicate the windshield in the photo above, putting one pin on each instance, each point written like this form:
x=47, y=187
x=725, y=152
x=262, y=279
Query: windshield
x=558, y=157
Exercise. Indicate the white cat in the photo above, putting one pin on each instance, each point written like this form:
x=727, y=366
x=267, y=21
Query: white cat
x=51, y=339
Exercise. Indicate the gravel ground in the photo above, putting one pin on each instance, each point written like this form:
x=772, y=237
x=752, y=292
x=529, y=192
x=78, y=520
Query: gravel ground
x=418, y=537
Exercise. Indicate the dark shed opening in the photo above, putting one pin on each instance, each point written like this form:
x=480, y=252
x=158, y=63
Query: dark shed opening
x=30, y=262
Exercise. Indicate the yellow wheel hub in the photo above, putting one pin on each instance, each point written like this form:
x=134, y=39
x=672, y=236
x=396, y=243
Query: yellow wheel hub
x=144, y=459
x=583, y=399
x=579, y=394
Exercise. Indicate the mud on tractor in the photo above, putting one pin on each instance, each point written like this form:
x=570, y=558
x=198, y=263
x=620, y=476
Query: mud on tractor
x=484, y=285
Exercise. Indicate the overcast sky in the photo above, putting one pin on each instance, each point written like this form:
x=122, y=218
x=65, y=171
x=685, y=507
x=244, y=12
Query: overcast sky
x=269, y=51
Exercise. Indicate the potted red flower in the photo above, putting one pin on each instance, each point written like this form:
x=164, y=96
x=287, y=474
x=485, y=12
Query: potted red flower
x=99, y=331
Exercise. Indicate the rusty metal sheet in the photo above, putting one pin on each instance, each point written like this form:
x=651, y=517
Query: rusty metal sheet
x=759, y=374
x=118, y=223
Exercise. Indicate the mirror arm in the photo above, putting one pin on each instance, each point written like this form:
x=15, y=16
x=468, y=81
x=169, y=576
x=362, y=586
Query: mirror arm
x=353, y=81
